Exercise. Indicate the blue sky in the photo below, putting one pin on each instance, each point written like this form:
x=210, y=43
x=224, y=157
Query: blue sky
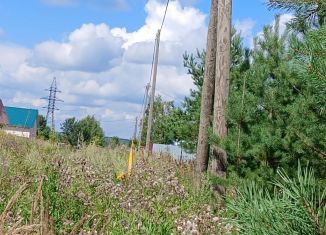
x=30, y=22
x=101, y=51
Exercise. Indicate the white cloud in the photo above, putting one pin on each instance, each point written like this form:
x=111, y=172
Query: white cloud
x=284, y=19
x=12, y=56
x=90, y=48
x=245, y=28
x=176, y=27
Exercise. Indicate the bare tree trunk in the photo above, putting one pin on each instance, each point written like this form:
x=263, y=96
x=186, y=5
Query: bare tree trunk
x=219, y=164
x=207, y=94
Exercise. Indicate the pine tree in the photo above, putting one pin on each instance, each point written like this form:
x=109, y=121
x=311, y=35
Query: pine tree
x=308, y=13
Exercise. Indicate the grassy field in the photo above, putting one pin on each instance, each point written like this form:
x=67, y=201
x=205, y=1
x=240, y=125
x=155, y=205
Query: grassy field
x=51, y=189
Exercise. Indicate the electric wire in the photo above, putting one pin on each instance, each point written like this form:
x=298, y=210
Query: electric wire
x=152, y=67
x=166, y=9
x=120, y=120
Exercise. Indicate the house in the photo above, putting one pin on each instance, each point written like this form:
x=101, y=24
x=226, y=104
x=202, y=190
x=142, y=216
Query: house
x=19, y=121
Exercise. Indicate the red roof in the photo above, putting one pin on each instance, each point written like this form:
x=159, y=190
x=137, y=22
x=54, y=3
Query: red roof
x=3, y=115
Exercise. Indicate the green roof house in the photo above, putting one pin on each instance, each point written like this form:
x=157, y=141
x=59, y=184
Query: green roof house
x=20, y=121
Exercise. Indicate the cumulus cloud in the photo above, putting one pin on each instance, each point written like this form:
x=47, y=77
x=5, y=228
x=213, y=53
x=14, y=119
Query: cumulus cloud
x=90, y=48
x=176, y=27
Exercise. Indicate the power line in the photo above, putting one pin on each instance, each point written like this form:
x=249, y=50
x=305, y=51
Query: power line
x=174, y=99
x=120, y=120
x=154, y=75
x=166, y=9
x=154, y=50
x=153, y=57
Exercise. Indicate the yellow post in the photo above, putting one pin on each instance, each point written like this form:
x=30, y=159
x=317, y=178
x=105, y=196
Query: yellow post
x=131, y=158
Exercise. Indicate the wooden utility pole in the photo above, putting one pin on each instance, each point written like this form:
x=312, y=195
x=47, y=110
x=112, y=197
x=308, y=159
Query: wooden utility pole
x=152, y=97
x=223, y=61
x=143, y=114
x=207, y=93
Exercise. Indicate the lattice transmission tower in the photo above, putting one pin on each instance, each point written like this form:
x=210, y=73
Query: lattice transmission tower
x=52, y=99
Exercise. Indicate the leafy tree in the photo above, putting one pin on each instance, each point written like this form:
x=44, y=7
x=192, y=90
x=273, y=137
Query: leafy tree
x=91, y=131
x=70, y=131
x=162, y=131
x=114, y=142
x=87, y=130
x=43, y=131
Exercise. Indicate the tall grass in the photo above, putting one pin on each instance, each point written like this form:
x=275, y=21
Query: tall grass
x=69, y=191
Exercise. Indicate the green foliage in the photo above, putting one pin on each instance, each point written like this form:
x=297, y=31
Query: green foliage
x=70, y=132
x=87, y=130
x=43, y=131
x=163, y=122
x=282, y=118
x=114, y=142
x=295, y=206
x=308, y=13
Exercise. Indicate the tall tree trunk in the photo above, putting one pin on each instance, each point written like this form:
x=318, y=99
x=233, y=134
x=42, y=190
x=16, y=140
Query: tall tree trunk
x=207, y=93
x=219, y=163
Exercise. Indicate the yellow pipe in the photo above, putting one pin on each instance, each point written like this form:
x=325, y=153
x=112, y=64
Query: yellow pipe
x=131, y=158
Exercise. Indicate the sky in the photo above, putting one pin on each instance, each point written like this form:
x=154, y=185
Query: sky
x=100, y=51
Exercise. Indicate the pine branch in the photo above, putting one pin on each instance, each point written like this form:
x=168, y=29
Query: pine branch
x=319, y=152
x=291, y=5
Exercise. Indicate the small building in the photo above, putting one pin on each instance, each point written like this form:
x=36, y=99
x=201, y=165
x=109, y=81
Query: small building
x=19, y=121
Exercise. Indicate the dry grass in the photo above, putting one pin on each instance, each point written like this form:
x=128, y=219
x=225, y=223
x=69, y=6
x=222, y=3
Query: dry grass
x=76, y=192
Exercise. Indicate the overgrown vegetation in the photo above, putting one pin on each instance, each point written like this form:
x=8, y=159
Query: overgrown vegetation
x=61, y=190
